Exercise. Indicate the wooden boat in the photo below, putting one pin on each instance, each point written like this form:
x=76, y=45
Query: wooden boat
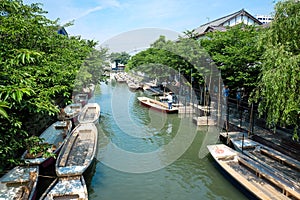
x=226, y=136
x=259, y=181
x=90, y=113
x=78, y=152
x=70, y=187
x=149, y=85
x=281, y=164
x=164, y=99
x=81, y=98
x=89, y=90
x=241, y=143
x=157, y=105
x=19, y=183
x=133, y=86
x=120, y=78
x=53, y=135
x=71, y=111
x=256, y=150
x=153, y=90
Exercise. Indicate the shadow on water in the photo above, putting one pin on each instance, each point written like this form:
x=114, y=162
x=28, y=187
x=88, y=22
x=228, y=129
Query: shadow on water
x=46, y=176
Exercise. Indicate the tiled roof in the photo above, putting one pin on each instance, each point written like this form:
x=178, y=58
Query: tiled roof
x=219, y=22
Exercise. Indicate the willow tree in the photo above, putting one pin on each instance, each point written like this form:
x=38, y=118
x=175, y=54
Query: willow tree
x=279, y=83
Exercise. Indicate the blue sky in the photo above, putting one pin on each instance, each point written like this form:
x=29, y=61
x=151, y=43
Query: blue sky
x=102, y=20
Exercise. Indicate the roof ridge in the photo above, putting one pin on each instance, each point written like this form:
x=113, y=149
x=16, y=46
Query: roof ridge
x=232, y=14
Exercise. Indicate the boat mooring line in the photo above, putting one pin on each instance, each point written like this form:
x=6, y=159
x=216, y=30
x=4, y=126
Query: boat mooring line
x=47, y=176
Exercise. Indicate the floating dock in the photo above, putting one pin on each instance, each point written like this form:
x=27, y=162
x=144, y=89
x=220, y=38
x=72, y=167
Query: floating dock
x=226, y=136
x=204, y=121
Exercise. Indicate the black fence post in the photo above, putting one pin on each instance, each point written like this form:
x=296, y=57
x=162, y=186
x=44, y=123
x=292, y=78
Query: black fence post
x=227, y=114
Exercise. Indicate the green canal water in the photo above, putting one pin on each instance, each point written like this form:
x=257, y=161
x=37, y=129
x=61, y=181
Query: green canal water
x=145, y=154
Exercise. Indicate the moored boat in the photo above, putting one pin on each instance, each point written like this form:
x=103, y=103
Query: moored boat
x=243, y=143
x=19, y=183
x=152, y=90
x=89, y=90
x=257, y=150
x=157, y=105
x=120, y=78
x=78, y=152
x=90, y=113
x=133, y=86
x=70, y=187
x=54, y=136
x=71, y=111
x=258, y=180
x=281, y=164
x=81, y=98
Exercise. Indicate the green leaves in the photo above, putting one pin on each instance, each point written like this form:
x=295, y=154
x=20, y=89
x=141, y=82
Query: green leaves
x=38, y=71
x=25, y=56
x=165, y=57
x=3, y=105
x=279, y=81
x=235, y=53
x=121, y=58
x=14, y=93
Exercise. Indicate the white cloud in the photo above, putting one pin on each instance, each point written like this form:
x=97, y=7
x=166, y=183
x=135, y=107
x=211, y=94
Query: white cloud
x=109, y=3
x=85, y=13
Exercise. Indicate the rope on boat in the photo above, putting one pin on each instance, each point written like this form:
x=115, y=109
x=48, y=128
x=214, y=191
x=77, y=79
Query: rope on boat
x=47, y=176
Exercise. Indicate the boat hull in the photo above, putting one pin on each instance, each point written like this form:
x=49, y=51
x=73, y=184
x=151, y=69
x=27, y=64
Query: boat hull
x=89, y=90
x=156, y=105
x=79, y=151
x=90, y=114
x=81, y=98
x=73, y=187
x=20, y=183
x=71, y=111
x=258, y=180
x=54, y=135
x=281, y=164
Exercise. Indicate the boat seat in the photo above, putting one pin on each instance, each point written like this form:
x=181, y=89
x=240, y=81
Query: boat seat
x=271, y=177
x=282, y=158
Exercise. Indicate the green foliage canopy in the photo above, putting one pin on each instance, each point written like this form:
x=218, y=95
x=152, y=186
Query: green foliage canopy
x=184, y=56
x=279, y=83
x=38, y=69
x=235, y=53
x=121, y=58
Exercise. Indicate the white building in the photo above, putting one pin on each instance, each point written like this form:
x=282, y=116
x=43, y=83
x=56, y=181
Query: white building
x=264, y=18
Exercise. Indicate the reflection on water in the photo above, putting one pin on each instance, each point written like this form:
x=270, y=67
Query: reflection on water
x=145, y=154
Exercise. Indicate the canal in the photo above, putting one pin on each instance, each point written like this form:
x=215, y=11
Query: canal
x=145, y=154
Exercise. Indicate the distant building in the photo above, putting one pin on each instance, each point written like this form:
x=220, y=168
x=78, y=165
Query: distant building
x=222, y=23
x=265, y=19
x=118, y=66
x=62, y=31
